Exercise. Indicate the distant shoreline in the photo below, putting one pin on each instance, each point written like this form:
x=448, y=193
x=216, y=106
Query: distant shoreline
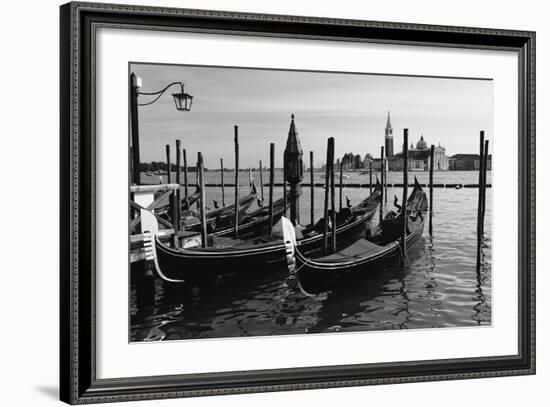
x=362, y=172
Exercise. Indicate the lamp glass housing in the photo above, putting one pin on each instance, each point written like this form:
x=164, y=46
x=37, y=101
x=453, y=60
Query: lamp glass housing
x=183, y=101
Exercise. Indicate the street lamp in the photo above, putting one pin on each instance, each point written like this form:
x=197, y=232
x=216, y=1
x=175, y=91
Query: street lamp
x=182, y=100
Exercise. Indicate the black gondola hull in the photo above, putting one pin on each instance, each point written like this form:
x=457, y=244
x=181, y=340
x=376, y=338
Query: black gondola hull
x=314, y=280
x=197, y=264
x=327, y=272
x=190, y=266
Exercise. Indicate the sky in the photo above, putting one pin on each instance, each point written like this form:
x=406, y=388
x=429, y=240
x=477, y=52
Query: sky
x=352, y=108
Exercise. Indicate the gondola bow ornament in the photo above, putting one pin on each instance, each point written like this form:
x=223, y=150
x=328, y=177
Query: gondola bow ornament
x=289, y=237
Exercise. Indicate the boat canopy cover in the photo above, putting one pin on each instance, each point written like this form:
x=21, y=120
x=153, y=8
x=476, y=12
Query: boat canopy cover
x=359, y=250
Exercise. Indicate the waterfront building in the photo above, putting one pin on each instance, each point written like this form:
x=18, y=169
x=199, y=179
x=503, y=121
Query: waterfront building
x=419, y=158
x=351, y=161
x=441, y=161
x=376, y=164
x=467, y=162
x=368, y=159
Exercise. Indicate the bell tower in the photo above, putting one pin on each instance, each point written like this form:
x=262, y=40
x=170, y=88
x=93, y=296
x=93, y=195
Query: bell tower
x=389, y=138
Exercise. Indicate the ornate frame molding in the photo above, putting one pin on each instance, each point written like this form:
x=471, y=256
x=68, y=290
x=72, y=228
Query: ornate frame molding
x=77, y=247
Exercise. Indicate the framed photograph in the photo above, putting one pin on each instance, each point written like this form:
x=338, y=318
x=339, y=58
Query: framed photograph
x=255, y=203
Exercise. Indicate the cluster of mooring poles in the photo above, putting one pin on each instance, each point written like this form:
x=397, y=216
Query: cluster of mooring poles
x=293, y=175
x=293, y=168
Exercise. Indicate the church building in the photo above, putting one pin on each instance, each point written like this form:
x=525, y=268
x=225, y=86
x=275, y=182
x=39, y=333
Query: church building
x=419, y=156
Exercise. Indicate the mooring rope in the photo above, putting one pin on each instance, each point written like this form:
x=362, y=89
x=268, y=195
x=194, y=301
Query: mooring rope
x=403, y=254
x=296, y=270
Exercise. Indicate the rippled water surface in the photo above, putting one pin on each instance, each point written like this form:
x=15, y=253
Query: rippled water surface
x=438, y=288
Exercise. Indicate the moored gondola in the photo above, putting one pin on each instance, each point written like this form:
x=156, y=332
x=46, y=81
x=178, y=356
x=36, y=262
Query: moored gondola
x=366, y=255
x=250, y=255
x=220, y=219
x=164, y=204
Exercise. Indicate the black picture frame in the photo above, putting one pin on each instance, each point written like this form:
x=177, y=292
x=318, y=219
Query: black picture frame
x=78, y=382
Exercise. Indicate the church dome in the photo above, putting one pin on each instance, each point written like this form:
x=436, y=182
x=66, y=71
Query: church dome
x=421, y=145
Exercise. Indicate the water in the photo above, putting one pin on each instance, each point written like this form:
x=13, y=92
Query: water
x=438, y=288
x=351, y=177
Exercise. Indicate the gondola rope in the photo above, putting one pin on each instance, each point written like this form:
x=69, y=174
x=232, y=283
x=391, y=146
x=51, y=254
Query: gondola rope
x=403, y=255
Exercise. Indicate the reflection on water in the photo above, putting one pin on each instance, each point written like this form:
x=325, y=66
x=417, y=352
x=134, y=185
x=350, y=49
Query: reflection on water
x=439, y=287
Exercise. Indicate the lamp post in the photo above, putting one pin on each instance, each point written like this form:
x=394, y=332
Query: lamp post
x=182, y=100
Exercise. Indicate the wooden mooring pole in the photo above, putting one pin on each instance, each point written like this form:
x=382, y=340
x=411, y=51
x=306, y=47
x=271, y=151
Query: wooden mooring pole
x=341, y=175
x=404, y=215
x=250, y=177
x=332, y=200
x=480, y=199
x=197, y=183
x=385, y=161
x=134, y=91
x=285, y=197
x=168, y=165
x=312, y=190
x=327, y=188
x=222, y=181
x=236, y=140
x=178, y=181
x=173, y=198
x=370, y=177
x=484, y=201
x=185, y=180
x=261, y=182
x=432, y=148
x=178, y=162
x=382, y=184
x=271, y=182
x=200, y=174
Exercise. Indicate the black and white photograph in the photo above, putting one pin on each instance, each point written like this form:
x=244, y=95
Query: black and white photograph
x=284, y=202
x=275, y=203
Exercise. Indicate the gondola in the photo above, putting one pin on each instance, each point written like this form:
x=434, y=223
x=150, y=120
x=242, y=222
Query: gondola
x=350, y=226
x=192, y=264
x=164, y=204
x=161, y=206
x=251, y=224
x=220, y=219
x=366, y=255
x=244, y=203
